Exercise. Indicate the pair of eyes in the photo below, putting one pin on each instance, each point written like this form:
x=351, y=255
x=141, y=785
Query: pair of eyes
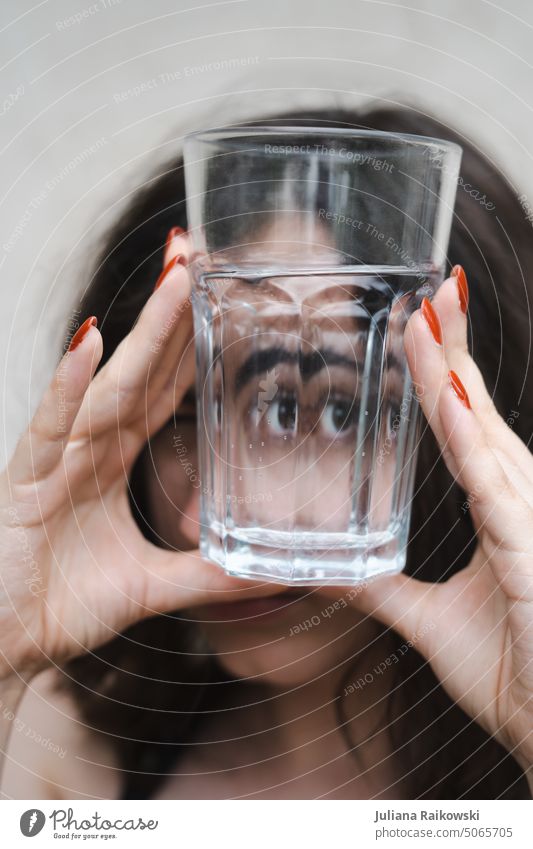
x=338, y=416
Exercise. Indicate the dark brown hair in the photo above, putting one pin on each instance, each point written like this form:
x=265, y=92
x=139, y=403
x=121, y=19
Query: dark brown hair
x=145, y=695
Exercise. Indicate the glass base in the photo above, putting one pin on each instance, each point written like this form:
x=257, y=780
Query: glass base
x=318, y=559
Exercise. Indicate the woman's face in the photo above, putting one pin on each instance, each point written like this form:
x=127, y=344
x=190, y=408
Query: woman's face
x=286, y=639
x=293, y=636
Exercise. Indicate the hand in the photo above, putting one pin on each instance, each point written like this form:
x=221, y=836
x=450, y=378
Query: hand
x=74, y=567
x=480, y=643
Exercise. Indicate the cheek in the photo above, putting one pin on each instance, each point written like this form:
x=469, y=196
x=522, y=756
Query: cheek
x=173, y=483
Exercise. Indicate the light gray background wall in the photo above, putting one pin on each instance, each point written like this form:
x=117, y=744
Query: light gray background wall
x=93, y=93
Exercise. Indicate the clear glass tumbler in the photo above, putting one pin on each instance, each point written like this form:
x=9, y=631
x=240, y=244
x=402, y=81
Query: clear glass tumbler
x=312, y=247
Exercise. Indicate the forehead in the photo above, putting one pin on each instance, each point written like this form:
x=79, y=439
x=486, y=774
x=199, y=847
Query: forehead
x=311, y=324
x=296, y=306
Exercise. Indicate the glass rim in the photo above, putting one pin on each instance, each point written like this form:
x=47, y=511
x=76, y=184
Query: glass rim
x=221, y=134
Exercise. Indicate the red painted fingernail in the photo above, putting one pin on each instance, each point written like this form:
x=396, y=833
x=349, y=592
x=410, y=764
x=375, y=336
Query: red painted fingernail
x=81, y=332
x=462, y=286
x=432, y=320
x=459, y=389
x=172, y=233
x=176, y=260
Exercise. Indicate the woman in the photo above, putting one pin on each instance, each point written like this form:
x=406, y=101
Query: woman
x=161, y=676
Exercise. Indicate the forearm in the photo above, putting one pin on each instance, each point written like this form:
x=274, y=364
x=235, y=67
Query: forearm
x=11, y=692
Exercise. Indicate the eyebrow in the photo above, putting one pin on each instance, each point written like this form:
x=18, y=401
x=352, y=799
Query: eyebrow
x=264, y=360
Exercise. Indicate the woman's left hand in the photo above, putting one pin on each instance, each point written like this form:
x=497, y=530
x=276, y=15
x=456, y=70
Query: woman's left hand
x=477, y=627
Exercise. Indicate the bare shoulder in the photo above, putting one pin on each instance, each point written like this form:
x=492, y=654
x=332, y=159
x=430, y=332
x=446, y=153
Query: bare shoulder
x=52, y=754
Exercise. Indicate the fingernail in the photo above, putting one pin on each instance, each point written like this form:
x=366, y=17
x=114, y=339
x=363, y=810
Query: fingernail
x=462, y=286
x=174, y=231
x=459, y=389
x=176, y=260
x=82, y=331
x=432, y=320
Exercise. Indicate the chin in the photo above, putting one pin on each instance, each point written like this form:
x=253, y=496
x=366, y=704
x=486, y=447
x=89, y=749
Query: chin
x=264, y=641
x=274, y=670
x=277, y=665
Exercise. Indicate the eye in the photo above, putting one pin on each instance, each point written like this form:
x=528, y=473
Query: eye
x=338, y=417
x=282, y=413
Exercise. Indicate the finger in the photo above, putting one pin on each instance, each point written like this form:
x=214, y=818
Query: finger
x=178, y=580
x=41, y=447
x=178, y=242
x=400, y=602
x=178, y=249
x=449, y=303
x=496, y=504
x=143, y=362
x=498, y=508
x=423, y=344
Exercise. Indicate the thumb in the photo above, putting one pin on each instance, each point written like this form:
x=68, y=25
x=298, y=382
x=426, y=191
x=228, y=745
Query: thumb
x=399, y=602
x=177, y=580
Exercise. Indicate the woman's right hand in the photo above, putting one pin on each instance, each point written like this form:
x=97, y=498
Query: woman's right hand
x=74, y=567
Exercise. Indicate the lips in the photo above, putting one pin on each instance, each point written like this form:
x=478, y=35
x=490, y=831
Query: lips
x=256, y=609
